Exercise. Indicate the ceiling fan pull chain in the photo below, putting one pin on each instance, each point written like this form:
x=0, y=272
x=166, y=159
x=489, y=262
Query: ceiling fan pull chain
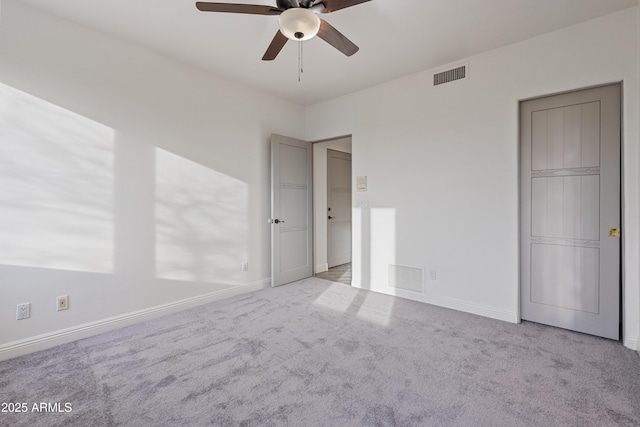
x=299, y=59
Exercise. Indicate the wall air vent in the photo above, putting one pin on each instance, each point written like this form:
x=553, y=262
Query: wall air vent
x=408, y=278
x=453, y=74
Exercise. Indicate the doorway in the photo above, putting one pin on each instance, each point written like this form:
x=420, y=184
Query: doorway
x=322, y=153
x=570, y=210
x=299, y=207
x=338, y=208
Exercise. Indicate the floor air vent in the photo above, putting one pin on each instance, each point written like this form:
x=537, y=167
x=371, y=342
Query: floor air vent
x=408, y=278
x=451, y=75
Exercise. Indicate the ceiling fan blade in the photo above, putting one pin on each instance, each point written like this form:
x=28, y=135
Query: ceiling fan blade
x=336, y=39
x=278, y=42
x=333, y=5
x=252, y=9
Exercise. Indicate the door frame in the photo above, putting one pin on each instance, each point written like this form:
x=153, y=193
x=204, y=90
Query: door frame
x=320, y=194
x=622, y=278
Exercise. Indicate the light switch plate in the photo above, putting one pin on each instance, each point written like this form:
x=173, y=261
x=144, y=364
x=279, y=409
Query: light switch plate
x=361, y=183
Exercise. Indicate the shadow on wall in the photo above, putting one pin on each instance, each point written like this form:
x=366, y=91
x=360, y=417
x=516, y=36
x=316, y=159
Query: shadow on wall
x=57, y=199
x=56, y=186
x=201, y=220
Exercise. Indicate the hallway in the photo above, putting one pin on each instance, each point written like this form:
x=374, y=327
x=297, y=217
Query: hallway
x=340, y=273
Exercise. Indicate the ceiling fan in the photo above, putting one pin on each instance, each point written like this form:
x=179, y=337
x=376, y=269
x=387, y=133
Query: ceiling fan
x=297, y=19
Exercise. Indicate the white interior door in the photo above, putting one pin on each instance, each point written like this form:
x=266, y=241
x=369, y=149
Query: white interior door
x=570, y=200
x=338, y=208
x=291, y=210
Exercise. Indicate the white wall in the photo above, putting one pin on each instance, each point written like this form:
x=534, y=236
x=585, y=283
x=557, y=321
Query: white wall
x=127, y=181
x=320, y=256
x=442, y=165
x=155, y=185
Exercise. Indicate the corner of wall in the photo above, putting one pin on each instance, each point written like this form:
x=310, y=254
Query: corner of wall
x=637, y=338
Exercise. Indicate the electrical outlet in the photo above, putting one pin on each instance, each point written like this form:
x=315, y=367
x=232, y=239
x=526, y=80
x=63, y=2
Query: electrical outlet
x=23, y=311
x=432, y=275
x=62, y=302
x=245, y=266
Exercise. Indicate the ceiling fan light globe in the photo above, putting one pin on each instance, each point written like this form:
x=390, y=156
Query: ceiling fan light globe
x=296, y=21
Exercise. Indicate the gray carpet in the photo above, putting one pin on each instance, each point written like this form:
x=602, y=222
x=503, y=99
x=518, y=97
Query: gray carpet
x=317, y=353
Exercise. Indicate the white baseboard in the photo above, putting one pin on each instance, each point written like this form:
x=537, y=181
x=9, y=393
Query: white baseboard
x=481, y=310
x=321, y=268
x=357, y=283
x=632, y=343
x=454, y=304
x=62, y=336
x=340, y=260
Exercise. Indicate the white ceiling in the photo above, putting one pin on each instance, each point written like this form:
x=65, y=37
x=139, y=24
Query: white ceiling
x=395, y=38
